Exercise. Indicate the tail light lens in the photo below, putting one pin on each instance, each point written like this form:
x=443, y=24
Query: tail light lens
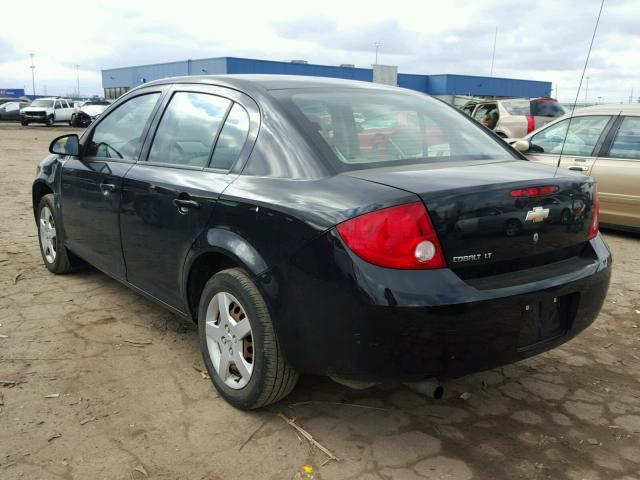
x=535, y=191
x=531, y=124
x=396, y=237
x=595, y=218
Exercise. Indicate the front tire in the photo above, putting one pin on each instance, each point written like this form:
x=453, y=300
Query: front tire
x=52, y=248
x=50, y=121
x=239, y=345
x=24, y=123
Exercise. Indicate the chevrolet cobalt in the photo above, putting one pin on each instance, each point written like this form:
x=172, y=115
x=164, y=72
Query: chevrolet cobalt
x=259, y=207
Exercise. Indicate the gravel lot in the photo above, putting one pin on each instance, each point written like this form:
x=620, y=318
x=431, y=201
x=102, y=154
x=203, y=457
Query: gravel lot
x=123, y=410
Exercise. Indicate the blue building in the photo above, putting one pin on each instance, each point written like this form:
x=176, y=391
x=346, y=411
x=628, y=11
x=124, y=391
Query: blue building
x=117, y=81
x=11, y=92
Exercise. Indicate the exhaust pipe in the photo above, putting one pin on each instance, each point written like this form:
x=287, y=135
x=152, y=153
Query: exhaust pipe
x=431, y=388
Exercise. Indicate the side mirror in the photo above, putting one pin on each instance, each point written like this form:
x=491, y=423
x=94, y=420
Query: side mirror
x=522, y=145
x=66, y=145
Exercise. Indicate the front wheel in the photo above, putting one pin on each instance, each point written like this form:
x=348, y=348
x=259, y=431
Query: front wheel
x=239, y=345
x=52, y=247
x=24, y=123
x=50, y=121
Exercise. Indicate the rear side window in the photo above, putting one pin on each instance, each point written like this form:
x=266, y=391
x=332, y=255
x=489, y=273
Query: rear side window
x=188, y=129
x=627, y=141
x=581, y=139
x=231, y=139
x=119, y=134
x=358, y=128
x=537, y=108
x=546, y=108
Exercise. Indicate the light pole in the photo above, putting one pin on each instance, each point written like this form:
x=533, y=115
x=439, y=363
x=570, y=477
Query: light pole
x=493, y=53
x=377, y=45
x=33, y=75
x=586, y=91
x=78, y=80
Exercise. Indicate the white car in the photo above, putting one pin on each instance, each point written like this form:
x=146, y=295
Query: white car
x=88, y=112
x=48, y=111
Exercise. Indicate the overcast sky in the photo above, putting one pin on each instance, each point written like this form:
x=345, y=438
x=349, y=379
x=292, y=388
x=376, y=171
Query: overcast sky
x=539, y=40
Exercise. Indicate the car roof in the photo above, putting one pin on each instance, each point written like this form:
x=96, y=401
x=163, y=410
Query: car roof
x=612, y=109
x=271, y=82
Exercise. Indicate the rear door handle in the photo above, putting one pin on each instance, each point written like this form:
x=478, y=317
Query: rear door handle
x=184, y=205
x=578, y=168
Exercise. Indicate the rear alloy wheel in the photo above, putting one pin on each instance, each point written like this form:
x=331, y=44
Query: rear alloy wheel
x=52, y=248
x=239, y=346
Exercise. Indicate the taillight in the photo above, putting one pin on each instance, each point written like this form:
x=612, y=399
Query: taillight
x=595, y=218
x=535, y=191
x=395, y=237
x=531, y=124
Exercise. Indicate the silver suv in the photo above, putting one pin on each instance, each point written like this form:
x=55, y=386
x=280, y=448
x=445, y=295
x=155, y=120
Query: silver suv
x=514, y=117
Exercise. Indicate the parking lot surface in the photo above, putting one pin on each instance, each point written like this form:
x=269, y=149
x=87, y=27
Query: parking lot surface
x=109, y=385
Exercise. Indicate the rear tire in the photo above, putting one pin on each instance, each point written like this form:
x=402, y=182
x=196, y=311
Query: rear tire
x=271, y=378
x=54, y=253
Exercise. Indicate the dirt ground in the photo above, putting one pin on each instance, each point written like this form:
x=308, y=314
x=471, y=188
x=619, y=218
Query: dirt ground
x=90, y=404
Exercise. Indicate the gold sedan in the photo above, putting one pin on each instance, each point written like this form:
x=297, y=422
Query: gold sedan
x=603, y=141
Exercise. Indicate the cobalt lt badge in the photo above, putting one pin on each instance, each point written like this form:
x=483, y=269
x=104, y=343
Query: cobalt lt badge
x=536, y=237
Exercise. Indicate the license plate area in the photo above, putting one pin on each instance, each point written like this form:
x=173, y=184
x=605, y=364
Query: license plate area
x=546, y=318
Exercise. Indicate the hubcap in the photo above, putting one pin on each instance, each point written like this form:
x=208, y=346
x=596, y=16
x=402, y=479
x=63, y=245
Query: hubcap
x=48, y=235
x=229, y=340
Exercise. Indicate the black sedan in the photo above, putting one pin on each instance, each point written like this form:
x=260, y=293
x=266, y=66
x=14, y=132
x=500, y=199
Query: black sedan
x=10, y=111
x=257, y=207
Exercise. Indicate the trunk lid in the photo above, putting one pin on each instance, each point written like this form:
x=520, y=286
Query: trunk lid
x=483, y=228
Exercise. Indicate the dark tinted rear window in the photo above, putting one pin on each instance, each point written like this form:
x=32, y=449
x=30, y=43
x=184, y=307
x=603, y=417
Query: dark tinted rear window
x=537, y=108
x=546, y=108
x=362, y=128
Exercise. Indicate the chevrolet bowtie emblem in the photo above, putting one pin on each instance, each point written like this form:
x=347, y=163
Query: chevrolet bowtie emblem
x=538, y=214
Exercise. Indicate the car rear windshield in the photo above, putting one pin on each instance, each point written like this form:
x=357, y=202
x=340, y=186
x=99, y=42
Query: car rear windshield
x=42, y=103
x=538, y=107
x=361, y=128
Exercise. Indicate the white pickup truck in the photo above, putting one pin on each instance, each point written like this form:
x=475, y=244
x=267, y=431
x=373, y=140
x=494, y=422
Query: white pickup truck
x=47, y=110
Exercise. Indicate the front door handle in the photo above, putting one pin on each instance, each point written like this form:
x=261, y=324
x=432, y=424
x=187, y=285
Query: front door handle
x=108, y=188
x=578, y=168
x=184, y=205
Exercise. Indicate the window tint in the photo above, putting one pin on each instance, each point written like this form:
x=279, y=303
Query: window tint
x=373, y=128
x=231, y=139
x=188, y=128
x=546, y=108
x=627, y=141
x=581, y=140
x=119, y=134
x=58, y=104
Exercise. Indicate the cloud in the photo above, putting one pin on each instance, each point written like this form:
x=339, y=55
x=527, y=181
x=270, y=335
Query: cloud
x=547, y=40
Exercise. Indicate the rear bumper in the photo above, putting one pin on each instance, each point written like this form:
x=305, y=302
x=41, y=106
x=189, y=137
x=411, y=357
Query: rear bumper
x=342, y=316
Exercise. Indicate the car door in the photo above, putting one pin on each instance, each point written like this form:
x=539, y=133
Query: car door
x=586, y=134
x=169, y=199
x=58, y=111
x=617, y=174
x=91, y=185
x=67, y=110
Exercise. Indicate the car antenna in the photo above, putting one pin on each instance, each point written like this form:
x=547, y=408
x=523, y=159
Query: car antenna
x=566, y=133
